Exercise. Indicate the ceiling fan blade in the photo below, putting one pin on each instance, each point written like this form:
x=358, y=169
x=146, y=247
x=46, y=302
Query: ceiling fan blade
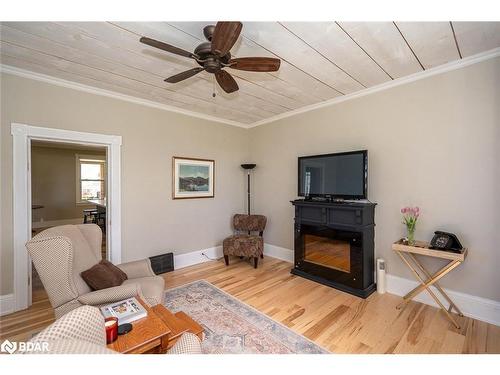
x=183, y=75
x=167, y=47
x=255, y=64
x=226, y=81
x=224, y=36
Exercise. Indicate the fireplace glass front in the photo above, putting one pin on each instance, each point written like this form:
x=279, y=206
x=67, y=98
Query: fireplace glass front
x=332, y=254
x=327, y=252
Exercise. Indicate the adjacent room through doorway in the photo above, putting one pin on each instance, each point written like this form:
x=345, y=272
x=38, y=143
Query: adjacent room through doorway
x=68, y=186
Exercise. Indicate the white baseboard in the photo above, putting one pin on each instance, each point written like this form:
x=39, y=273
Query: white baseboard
x=55, y=223
x=278, y=252
x=475, y=307
x=196, y=257
x=6, y=304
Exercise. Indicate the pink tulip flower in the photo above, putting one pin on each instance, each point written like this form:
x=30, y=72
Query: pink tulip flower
x=411, y=212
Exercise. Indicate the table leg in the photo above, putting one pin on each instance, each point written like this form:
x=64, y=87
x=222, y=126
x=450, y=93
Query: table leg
x=438, y=275
x=164, y=344
x=438, y=287
x=426, y=285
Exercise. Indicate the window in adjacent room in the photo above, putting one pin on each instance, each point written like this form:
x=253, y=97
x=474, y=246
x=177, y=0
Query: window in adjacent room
x=91, y=177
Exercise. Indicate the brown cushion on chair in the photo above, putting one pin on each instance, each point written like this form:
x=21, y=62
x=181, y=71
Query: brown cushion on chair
x=103, y=275
x=117, y=271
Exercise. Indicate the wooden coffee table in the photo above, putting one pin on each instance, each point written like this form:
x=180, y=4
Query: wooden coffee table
x=157, y=332
x=178, y=323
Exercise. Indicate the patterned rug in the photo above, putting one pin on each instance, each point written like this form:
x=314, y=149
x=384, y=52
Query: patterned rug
x=232, y=326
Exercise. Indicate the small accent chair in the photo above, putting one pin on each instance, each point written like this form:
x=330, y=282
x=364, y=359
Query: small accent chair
x=82, y=331
x=61, y=253
x=243, y=242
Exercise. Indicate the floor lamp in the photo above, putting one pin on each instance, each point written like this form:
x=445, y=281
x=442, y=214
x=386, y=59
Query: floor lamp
x=248, y=168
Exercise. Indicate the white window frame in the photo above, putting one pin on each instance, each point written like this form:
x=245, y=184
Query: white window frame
x=99, y=159
x=21, y=148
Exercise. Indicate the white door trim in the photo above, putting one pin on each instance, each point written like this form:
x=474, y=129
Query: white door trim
x=22, y=135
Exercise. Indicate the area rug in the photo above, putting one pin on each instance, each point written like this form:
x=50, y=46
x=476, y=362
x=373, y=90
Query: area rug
x=232, y=326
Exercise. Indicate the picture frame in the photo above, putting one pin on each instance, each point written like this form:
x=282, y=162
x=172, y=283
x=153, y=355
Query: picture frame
x=192, y=178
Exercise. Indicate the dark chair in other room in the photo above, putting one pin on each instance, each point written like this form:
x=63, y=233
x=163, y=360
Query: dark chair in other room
x=90, y=215
x=247, y=241
x=101, y=220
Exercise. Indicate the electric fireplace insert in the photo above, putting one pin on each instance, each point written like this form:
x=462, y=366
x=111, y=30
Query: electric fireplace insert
x=334, y=244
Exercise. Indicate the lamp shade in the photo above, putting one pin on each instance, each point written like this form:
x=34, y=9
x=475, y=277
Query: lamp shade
x=248, y=166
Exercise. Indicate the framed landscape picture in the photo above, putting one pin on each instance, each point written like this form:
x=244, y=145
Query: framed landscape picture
x=192, y=178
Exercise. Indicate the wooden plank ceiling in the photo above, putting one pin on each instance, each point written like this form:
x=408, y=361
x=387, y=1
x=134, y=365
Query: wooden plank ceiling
x=320, y=60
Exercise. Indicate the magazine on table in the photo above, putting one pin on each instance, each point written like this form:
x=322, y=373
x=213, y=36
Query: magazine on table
x=126, y=311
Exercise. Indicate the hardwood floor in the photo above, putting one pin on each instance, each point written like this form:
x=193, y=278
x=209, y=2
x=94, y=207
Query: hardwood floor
x=337, y=321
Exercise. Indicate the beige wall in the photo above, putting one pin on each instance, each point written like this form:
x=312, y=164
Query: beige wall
x=152, y=223
x=53, y=183
x=434, y=143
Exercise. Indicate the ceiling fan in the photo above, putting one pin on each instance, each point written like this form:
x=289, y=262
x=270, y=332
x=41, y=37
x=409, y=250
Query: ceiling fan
x=213, y=56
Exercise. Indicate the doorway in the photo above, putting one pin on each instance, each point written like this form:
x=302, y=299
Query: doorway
x=68, y=186
x=27, y=211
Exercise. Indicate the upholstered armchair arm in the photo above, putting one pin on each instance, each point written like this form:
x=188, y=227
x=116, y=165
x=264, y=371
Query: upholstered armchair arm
x=85, y=323
x=189, y=343
x=117, y=293
x=137, y=269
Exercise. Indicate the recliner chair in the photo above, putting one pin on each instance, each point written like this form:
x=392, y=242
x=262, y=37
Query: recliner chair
x=61, y=253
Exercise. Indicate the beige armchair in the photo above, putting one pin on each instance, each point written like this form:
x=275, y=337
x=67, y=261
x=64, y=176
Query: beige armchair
x=81, y=331
x=61, y=253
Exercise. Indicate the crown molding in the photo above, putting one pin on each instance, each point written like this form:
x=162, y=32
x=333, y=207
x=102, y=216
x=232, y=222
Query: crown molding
x=454, y=65
x=112, y=94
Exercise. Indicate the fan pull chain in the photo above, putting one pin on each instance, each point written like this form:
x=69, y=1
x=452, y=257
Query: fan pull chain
x=213, y=90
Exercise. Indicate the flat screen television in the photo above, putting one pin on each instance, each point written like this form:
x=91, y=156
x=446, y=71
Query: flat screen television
x=342, y=175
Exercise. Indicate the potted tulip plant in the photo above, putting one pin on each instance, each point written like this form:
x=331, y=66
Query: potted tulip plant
x=410, y=217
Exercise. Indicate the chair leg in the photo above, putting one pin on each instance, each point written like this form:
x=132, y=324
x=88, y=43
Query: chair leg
x=255, y=262
x=226, y=259
x=262, y=256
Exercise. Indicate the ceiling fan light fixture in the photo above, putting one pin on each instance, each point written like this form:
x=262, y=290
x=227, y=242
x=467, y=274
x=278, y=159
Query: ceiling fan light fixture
x=214, y=55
